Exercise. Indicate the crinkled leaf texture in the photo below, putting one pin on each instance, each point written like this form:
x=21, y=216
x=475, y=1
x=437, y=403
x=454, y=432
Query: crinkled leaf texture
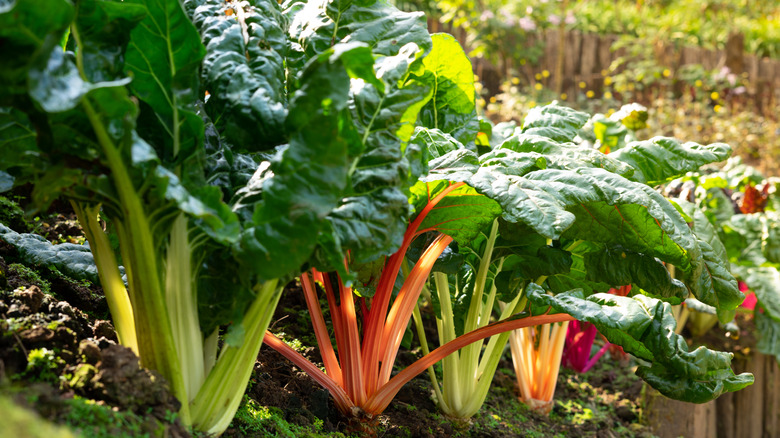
x=244, y=69
x=554, y=121
x=644, y=327
x=662, y=159
x=73, y=260
x=620, y=267
x=560, y=190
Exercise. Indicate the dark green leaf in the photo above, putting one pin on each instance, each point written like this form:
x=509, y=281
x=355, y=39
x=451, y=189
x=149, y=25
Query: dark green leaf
x=644, y=327
x=163, y=58
x=73, y=260
x=244, y=69
x=662, y=159
x=29, y=30
x=618, y=267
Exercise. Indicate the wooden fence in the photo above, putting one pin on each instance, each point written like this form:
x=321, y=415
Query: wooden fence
x=753, y=412
x=586, y=56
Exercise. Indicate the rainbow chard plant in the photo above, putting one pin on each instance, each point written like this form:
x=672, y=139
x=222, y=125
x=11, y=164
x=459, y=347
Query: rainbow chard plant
x=739, y=207
x=223, y=156
x=368, y=328
x=565, y=214
x=599, y=258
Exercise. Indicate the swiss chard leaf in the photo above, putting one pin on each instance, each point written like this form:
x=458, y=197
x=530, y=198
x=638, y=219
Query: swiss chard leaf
x=452, y=107
x=30, y=31
x=318, y=25
x=166, y=78
x=565, y=155
x=73, y=260
x=662, y=159
x=715, y=286
x=244, y=69
x=553, y=121
x=619, y=267
x=644, y=327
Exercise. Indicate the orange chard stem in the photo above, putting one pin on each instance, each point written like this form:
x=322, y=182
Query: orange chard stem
x=351, y=359
x=374, y=323
x=342, y=400
x=379, y=401
x=321, y=330
x=403, y=306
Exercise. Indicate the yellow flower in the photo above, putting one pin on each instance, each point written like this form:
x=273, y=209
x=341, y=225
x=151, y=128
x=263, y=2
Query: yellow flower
x=607, y=81
x=538, y=77
x=564, y=96
x=714, y=95
x=545, y=73
x=590, y=94
x=531, y=104
x=492, y=99
x=610, y=112
x=698, y=83
x=717, y=108
x=699, y=128
x=667, y=73
x=583, y=84
x=538, y=86
x=607, y=95
x=515, y=81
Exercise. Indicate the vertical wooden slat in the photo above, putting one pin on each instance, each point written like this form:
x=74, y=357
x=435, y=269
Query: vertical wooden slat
x=550, y=50
x=605, y=51
x=749, y=402
x=589, y=58
x=726, y=414
x=771, y=398
x=671, y=418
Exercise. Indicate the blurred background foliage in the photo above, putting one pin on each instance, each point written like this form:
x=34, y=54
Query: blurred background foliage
x=507, y=41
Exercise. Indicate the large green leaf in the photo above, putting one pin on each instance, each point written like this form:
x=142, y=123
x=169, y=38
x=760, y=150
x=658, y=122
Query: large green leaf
x=318, y=25
x=104, y=31
x=244, y=69
x=581, y=204
x=715, y=286
x=163, y=57
x=565, y=155
x=73, y=260
x=619, y=267
x=662, y=159
x=452, y=107
x=644, y=327
x=29, y=30
x=310, y=176
x=553, y=121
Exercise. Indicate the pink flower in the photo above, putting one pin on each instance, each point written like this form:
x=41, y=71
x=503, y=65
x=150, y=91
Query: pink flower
x=554, y=19
x=526, y=23
x=486, y=15
x=570, y=18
